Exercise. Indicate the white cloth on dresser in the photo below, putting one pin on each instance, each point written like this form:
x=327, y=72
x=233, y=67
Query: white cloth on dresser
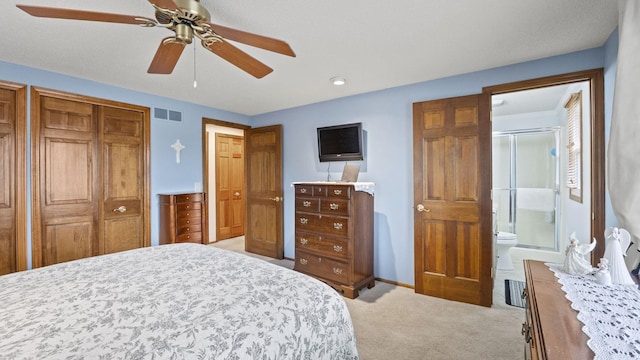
x=610, y=314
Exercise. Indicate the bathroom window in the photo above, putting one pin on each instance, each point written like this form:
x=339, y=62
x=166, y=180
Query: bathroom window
x=574, y=146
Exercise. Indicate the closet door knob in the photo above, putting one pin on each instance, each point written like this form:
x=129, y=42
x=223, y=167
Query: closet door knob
x=120, y=209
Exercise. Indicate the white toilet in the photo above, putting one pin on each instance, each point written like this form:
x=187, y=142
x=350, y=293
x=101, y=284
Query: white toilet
x=505, y=241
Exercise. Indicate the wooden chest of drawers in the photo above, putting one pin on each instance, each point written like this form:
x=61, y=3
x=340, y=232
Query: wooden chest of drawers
x=334, y=235
x=551, y=329
x=183, y=218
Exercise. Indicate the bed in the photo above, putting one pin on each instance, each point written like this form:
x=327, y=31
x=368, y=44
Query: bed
x=178, y=301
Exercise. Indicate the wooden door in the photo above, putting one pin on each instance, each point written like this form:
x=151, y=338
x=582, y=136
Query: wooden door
x=229, y=186
x=264, y=219
x=90, y=186
x=65, y=181
x=12, y=177
x=452, y=191
x=123, y=179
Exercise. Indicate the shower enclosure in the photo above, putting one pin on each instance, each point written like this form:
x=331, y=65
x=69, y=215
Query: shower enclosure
x=526, y=184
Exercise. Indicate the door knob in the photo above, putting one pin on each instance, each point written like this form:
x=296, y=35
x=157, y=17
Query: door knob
x=277, y=199
x=236, y=194
x=421, y=208
x=120, y=209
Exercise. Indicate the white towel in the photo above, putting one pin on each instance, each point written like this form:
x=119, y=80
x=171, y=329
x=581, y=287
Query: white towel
x=535, y=199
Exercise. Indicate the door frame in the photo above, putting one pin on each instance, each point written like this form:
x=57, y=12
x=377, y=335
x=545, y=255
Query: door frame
x=595, y=77
x=211, y=211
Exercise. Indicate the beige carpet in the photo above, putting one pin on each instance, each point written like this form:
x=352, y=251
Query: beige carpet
x=395, y=323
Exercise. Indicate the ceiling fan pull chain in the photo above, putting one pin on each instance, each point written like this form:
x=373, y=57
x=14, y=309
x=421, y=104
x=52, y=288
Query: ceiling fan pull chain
x=195, y=83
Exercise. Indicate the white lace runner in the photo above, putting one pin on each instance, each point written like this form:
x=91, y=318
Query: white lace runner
x=610, y=314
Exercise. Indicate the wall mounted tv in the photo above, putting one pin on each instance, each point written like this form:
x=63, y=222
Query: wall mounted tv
x=340, y=142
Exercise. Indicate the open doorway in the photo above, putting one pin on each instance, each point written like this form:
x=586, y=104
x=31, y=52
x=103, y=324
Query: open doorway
x=532, y=196
x=223, y=172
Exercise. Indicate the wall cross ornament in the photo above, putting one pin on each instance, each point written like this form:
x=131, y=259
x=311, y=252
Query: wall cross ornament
x=178, y=147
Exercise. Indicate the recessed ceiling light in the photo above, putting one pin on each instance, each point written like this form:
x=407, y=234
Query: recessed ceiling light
x=338, y=81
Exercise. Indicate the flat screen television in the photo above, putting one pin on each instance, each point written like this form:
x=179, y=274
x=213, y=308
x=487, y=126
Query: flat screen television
x=340, y=142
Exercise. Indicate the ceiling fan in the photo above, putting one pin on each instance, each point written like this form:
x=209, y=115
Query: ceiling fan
x=186, y=18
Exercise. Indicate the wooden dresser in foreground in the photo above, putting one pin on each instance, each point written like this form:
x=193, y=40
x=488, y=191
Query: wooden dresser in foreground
x=552, y=330
x=183, y=218
x=334, y=235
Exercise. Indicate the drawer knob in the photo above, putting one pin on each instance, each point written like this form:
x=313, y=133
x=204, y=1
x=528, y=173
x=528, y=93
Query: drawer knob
x=303, y=191
x=303, y=241
x=337, y=248
x=304, y=261
x=337, y=226
x=337, y=271
x=304, y=221
x=337, y=191
x=334, y=206
x=188, y=221
x=187, y=207
x=306, y=203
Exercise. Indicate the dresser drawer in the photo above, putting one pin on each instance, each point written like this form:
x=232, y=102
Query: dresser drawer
x=189, y=198
x=322, y=245
x=334, y=206
x=182, y=222
x=339, y=191
x=188, y=214
x=322, y=267
x=304, y=190
x=190, y=228
x=190, y=237
x=188, y=207
x=331, y=225
x=307, y=204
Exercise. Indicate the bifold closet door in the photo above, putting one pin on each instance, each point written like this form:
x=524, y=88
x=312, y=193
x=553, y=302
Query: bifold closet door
x=122, y=178
x=67, y=186
x=90, y=189
x=12, y=175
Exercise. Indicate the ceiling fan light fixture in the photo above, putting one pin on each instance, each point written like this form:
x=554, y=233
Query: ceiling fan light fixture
x=338, y=81
x=184, y=33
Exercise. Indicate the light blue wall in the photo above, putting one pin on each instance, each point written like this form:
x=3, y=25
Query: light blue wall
x=166, y=175
x=387, y=121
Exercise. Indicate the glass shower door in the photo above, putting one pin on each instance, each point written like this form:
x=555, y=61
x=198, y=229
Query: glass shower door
x=526, y=180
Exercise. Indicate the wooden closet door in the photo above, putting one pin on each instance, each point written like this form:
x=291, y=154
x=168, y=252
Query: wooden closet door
x=90, y=183
x=121, y=140
x=229, y=186
x=12, y=177
x=65, y=181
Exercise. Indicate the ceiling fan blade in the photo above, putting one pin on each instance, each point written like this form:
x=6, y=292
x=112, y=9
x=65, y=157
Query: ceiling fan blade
x=165, y=4
x=57, y=13
x=239, y=58
x=166, y=57
x=255, y=40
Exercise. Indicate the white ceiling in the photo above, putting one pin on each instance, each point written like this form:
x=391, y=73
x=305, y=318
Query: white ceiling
x=374, y=44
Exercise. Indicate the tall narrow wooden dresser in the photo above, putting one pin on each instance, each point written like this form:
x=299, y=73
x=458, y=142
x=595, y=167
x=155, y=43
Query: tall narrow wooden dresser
x=334, y=234
x=183, y=218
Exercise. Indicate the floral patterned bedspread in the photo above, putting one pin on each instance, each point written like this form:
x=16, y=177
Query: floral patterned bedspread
x=180, y=301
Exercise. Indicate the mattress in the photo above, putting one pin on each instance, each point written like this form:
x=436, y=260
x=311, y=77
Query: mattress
x=178, y=301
